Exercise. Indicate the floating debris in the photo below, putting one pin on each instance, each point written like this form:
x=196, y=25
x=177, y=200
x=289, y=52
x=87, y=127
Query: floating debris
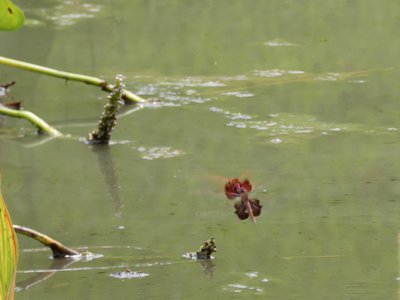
x=279, y=43
x=276, y=141
x=86, y=255
x=194, y=82
x=172, y=96
x=204, y=252
x=128, y=274
x=158, y=152
x=279, y=127
x=206, y=249
x=276, y=72
x=239, y=288
x=268, y=73
x=239, y=94
x=230, y=115
x=252, y=274
x=216, y=109
x=236, y=77
x=329, y=77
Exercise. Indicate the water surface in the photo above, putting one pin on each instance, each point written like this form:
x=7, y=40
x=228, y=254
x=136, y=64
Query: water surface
x=303, y=96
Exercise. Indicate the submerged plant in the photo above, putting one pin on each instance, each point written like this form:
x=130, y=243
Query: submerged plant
x=108, y=119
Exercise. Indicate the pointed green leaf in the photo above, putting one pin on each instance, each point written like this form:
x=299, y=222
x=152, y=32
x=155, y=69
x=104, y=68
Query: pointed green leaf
x=8, y=253
x=11, y=16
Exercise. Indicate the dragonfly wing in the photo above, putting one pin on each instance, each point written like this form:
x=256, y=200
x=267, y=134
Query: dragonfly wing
x=256, y=207
x=241, y=211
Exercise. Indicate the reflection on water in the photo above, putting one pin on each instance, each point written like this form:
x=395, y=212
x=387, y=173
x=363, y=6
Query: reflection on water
x=85, y=262
x=57, y=264
x=276, y=73
x=107, y=167
x=62, y=13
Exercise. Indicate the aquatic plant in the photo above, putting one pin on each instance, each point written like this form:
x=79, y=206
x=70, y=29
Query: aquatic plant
x=11, y=16
x=206, y=249
x=42, y=126
x=8, y=253
x=108, y=119
x=204, y=252
x=128, y=97
x=59, y=250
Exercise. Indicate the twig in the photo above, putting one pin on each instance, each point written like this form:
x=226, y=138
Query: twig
x=7, y=84
x=59, y=250
x=31, y=117
x=69, y=76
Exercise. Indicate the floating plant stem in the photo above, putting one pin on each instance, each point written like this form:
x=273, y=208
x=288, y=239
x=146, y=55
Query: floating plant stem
x=128, y=96
x=59, y=250
x=108, y=118
x=31, y=117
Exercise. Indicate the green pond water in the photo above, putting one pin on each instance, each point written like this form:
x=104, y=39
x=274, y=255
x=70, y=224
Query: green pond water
x=301, y=95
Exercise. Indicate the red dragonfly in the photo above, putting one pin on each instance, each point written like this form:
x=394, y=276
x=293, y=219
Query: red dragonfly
x=235, y=188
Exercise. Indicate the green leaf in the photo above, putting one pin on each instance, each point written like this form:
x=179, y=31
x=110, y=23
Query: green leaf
x=11, y=16
x=8, y=253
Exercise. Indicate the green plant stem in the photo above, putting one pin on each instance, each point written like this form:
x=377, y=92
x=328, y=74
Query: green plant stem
x=59, y=250
x=31, y=117
x=69, y=76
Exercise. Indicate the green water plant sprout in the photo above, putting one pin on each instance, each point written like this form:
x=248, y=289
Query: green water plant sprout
x=108, y=119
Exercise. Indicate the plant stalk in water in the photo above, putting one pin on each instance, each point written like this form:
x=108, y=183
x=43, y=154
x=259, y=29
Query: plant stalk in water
x=59, y=250
x=31, y=117
x=128, y=96
x=108, y=119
